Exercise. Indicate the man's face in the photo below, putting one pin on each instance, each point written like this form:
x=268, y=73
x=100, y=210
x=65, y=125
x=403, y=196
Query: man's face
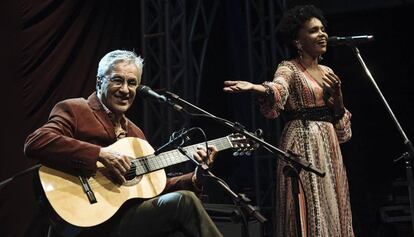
x=118, y=88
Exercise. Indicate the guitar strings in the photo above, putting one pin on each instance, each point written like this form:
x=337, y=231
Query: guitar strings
x=142, y=162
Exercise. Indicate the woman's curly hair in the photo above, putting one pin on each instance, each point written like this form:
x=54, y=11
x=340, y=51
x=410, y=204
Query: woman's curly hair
x=294, y=19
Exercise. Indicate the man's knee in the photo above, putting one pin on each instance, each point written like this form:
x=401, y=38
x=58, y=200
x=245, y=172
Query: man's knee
x=188, y=197
x=176, y=198
x=188, y=194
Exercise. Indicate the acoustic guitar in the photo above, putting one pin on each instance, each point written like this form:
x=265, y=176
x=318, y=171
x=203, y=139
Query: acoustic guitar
x=89, y=201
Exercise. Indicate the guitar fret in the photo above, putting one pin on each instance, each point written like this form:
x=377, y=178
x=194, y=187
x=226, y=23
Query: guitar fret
x=140, y=170
x=142, y=165
x=164, y=162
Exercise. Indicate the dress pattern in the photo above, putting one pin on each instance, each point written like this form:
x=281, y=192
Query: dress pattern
x=324, y=202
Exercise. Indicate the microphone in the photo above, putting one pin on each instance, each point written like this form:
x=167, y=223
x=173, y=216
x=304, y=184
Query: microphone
x=145, y=91
x=350, y=40
x=175, y=136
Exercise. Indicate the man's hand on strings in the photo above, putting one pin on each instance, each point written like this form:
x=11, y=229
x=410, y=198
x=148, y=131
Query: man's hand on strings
x=201, y=156
x=117, y=164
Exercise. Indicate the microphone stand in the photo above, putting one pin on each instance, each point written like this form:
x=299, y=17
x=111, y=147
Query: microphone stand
x=173, y=139
x=21, y=173
x=240, y=199
x=407, y=156
x=295, y=161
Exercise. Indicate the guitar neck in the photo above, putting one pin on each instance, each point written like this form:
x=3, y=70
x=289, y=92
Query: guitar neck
x=151, y=163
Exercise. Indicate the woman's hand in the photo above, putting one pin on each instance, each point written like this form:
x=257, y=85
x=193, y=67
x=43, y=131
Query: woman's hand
x=332, y=84
x=238, y=86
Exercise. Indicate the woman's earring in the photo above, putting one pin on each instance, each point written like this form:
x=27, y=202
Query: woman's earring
x=300, y=53
x=320, y=58
x=299, y=47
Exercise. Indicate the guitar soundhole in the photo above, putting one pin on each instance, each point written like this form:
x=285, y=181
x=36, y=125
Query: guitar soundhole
x=130, y=175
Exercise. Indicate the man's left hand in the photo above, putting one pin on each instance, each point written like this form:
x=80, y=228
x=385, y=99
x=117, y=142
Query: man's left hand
x=204, y=158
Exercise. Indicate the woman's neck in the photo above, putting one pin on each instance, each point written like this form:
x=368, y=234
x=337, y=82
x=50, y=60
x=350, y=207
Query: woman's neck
x=308, y=62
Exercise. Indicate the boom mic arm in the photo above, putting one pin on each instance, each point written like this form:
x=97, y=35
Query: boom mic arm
x=349, y=40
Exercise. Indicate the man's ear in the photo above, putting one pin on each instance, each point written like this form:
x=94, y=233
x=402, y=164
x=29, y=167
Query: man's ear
x=98, y=82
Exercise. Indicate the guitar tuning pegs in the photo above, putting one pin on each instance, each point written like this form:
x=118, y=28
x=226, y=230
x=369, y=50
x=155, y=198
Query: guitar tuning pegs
x=243, y=146
x=243, y=152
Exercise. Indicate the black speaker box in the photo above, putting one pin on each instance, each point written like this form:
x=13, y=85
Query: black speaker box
x=229, y=221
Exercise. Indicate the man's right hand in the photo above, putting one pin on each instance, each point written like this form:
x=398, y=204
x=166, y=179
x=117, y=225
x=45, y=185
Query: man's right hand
x=117, y=164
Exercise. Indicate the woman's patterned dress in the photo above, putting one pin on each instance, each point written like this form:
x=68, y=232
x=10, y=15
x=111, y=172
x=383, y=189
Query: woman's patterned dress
x=324, y=204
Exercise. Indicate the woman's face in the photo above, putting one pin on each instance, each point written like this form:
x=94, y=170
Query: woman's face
x=312, y=38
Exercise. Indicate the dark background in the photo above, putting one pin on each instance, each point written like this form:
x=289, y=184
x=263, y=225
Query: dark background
x=50, y=51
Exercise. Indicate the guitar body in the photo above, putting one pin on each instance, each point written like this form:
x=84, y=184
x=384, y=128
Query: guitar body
x=69, y=200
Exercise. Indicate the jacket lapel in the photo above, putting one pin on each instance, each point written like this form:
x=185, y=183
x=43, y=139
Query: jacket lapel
x=101, y=115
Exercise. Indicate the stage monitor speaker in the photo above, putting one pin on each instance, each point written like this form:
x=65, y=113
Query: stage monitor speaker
x=228, y=220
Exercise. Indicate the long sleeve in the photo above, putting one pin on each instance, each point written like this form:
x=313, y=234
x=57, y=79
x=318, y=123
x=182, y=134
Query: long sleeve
x=181, y=182
x=60, y=144
x=343, y=127
x=272, y=104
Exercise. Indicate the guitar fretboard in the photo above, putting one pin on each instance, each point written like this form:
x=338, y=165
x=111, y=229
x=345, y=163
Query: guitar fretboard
x=151, y=163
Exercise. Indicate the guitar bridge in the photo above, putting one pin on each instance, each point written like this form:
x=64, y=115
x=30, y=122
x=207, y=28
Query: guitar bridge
x=87, y=189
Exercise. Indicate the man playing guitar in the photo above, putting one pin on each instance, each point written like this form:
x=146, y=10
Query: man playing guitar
x=88, y=149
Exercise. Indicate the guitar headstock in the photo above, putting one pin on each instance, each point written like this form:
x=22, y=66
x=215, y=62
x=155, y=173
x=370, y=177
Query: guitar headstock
x=242, y=145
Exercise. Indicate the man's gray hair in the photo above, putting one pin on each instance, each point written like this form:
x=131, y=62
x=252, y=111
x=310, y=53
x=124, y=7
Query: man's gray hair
x=117, y=56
